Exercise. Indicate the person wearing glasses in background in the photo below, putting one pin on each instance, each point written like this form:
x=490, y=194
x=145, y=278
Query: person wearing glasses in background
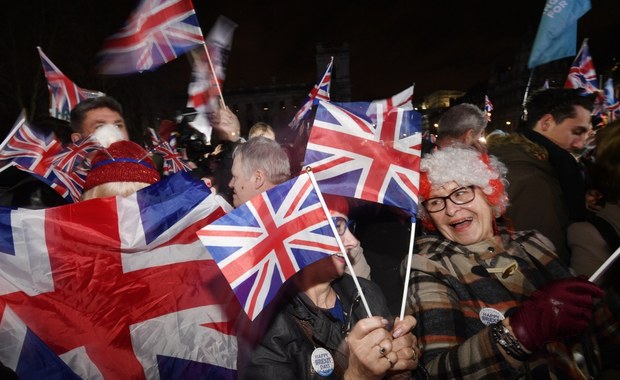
x=491, y=302
x=320, y=329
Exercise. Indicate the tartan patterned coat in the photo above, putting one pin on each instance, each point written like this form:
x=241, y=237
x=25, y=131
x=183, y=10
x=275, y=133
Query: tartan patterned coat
x=451, y=284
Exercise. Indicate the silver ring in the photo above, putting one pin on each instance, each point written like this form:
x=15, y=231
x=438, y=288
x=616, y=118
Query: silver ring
x=382, y=351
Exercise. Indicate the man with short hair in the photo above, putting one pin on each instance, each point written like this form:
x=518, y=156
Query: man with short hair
x=463, y=124
x=92, y=113
x=258, y=165
x=547, y=188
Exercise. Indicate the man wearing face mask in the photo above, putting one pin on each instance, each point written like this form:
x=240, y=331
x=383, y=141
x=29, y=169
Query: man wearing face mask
x=547, y=188
x=93, y=113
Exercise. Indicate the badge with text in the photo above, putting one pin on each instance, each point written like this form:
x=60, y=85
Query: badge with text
x=322, y=361
x=489, y=316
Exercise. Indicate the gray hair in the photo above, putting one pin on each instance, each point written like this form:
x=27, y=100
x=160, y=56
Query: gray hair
x=261, y=153
x=457, y=120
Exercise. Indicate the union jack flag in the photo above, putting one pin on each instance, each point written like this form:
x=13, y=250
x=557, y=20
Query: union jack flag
x=173, y=161
x=612, y=104
x=320, y=91
x=68, y=168
x=117, y=288
x=582, y=73
x=29, y=149
x=376, y=159
x=64, y=94
x=261, y=244
x=203, y=90
x=402, y=100
x=42, y=155
x=488, y=106
x=157, y=32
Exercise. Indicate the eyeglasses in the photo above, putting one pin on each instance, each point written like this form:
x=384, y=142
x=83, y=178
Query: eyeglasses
x=460, y=196
x=342, y=224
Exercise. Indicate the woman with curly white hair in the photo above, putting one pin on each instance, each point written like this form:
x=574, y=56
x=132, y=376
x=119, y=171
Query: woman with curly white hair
x=490, y=302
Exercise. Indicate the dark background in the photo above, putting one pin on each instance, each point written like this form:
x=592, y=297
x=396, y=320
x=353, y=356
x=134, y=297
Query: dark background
x=436, y=45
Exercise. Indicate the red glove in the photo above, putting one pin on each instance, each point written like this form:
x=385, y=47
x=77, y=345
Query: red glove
x=559, y=309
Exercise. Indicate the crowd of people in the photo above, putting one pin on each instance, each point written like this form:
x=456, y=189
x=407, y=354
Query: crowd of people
x=509, y=231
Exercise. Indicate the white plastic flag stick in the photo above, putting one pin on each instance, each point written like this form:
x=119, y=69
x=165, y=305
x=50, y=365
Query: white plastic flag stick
x=407, y=271
x=603, y=268
x=340, y=245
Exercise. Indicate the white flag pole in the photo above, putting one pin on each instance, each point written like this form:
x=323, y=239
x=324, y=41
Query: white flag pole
x=408, y=271
x=603, y=268
x=340, y=245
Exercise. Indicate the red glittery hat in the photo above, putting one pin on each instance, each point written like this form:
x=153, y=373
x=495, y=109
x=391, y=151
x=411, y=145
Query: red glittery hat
x=122, y=161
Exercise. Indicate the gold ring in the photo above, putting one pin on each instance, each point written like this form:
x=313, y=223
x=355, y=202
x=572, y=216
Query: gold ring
x=389, y=361
x=414, y=356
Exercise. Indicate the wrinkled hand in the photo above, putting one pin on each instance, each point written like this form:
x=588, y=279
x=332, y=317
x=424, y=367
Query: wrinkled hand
x=226, y=123
x=365, y=343
x=405, y=345
x=559, y=309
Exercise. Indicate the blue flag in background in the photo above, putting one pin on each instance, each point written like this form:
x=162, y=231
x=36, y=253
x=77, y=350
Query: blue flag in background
x=557, y=33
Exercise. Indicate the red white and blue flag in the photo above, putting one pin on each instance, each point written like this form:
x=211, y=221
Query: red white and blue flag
x=261, y=244
x=117, y=288
x=173, y=161
x=64, y=94
x=488, y=106
x=612, y=105
x=29, y=149
x=582, y=73
x=372, y=158
x=64, y=169
x=203, y=93
x=157, y=32
x=320, y=91
x=403, y=99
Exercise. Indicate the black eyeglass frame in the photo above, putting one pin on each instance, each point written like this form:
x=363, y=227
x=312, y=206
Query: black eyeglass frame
x=449, y=196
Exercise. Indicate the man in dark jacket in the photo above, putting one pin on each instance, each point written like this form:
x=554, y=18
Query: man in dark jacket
x=320, y=328
x=547, y=188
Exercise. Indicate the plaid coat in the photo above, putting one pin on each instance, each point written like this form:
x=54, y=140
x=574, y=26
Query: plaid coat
x=452, y=283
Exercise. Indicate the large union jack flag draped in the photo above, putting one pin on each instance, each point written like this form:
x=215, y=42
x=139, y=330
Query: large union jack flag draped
x=157, y=32
x=320, y=91
x=264, y=242
x=64, y=94
x=372, y=158
x=582, y=73
x=117, y=288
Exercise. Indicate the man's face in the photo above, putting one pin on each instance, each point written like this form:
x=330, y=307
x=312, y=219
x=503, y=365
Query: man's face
x=244, y=188
x=571, y=134
x=98, y=117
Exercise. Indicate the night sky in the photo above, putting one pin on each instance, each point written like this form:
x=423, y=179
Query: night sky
x=436, y=45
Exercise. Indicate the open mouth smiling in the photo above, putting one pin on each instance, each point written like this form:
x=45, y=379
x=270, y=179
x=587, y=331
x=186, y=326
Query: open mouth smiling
x=461, y=223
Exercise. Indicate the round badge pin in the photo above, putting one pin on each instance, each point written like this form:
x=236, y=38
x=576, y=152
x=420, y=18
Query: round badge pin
x=322, y=361
x=489, y=316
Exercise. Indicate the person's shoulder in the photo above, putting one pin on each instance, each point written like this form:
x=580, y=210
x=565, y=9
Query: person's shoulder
x=515, y=146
